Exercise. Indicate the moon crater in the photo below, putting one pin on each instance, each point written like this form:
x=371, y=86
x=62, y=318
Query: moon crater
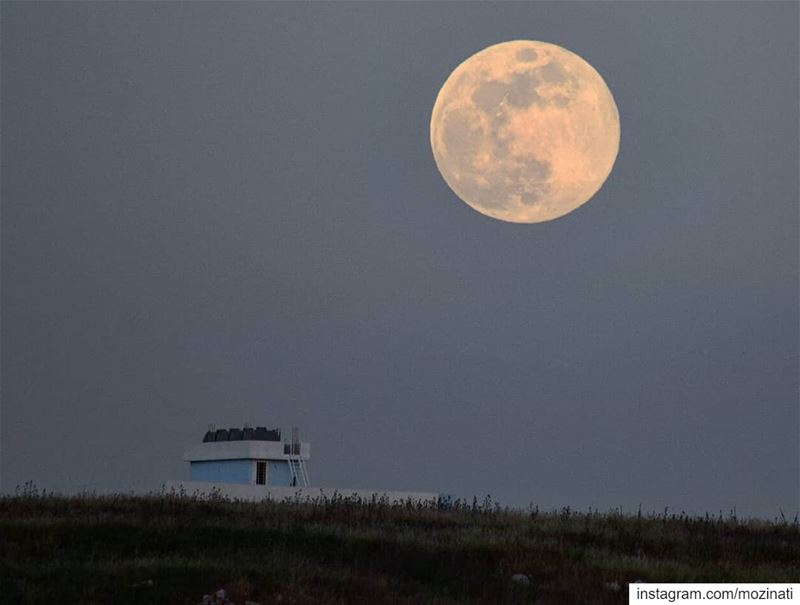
x=525, y=131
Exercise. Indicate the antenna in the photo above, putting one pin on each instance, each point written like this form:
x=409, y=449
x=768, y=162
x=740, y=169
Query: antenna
x=212, y=427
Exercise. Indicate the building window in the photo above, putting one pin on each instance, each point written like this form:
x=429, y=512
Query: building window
x=261, y=472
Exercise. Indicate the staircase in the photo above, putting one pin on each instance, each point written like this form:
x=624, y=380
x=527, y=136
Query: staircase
x=297, y=466
x=297, y=471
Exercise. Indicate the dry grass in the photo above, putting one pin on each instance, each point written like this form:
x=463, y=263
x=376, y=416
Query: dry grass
x=172, y=548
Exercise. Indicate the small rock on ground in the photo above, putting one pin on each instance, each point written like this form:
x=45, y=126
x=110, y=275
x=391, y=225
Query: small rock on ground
x=220, y=598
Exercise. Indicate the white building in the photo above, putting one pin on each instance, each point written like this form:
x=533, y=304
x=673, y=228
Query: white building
x=249, y=456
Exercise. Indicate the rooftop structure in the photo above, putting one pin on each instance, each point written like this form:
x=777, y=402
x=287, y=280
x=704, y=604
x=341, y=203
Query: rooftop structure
x=249, y=456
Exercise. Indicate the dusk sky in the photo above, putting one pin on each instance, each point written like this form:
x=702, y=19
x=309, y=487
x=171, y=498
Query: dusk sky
x=230, y=213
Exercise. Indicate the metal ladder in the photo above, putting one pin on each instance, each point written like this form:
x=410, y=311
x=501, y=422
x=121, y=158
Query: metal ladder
x=297, y=466
x=298, y=472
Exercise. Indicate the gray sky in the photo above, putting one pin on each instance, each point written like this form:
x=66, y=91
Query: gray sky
x=230, y=213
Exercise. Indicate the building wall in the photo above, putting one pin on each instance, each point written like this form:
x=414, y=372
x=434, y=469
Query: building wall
x=239, y=471
x=223, y=471
x=241, y=450
x=278, y=473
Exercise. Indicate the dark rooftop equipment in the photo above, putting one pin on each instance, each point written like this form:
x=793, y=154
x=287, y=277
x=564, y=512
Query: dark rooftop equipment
x=263, y=434
x=260, y=433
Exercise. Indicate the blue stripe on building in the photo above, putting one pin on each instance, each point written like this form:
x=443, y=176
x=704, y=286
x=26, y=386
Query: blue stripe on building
x=222, y=471
x=279, y=473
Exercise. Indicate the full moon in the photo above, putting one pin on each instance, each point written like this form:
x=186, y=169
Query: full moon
x=525, y=131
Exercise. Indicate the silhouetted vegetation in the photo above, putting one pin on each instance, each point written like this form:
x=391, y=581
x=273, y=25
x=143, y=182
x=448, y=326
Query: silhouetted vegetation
x=173, y=548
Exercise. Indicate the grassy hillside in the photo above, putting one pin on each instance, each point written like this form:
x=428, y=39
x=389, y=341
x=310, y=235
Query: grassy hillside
x=173, y=549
